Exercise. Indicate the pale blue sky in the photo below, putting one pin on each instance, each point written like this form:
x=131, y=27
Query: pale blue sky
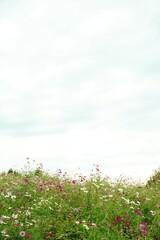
x=79, y=85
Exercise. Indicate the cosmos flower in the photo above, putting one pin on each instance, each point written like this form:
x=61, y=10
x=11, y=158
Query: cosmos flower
x=119, y=219
x=128, y=224
x=22, y=233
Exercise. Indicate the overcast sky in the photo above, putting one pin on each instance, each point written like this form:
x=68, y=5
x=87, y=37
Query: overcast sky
x=80, y=85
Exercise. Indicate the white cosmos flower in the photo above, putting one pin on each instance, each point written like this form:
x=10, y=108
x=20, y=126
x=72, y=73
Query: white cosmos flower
x=22, y=233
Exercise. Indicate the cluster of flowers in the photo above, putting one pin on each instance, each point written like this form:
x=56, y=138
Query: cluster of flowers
x=142, y=226
x=120, y=219
x=25, y=235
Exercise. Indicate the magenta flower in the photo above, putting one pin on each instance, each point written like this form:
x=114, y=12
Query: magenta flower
x=143, y=228
x=143, y=224
x=25, y=180
x=74, y=181
x=128, y=224
x=119, y=219
x=144, y=231
x=60, y=188
x=27, y=235
x=139, y=212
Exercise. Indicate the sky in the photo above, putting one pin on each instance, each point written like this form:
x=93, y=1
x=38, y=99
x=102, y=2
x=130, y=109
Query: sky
x=80, y=85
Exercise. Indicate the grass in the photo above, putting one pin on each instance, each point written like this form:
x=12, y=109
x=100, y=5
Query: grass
x=37, y=205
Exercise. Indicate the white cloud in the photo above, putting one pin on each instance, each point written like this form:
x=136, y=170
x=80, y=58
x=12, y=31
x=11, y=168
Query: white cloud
x=99, y=22
x=16, y=78
x=113, y=21
x=53, y=70
x=8, y=33
x=64, y=44
x=38, y=8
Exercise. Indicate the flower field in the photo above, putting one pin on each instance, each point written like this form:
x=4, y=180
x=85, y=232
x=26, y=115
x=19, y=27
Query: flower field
x=36, y=205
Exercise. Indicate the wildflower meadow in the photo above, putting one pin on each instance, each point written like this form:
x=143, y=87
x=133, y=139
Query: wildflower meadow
x=37, y=205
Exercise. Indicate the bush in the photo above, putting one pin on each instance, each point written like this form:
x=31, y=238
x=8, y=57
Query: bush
x=155, y=178
x=11, y=171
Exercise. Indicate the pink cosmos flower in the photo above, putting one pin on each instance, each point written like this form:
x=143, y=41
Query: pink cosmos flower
x=144, y=231
x=139, y=212
x=143, y=228
x=143, y=224
x=25, y=180
x=128, y=224
x=27, y=235
x=119, y=219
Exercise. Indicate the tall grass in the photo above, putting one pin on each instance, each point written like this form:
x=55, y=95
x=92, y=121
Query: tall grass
x=37, y=205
